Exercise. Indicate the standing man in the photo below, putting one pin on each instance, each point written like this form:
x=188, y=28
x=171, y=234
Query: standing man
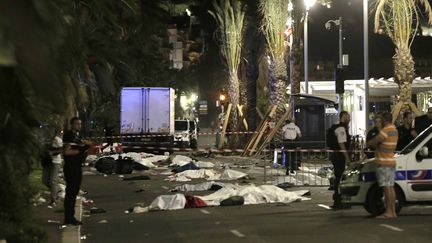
x=385, y=144
x=424, y=121
x=406, y=131
x=75, y=153
x=339, y=140
x=290, y=133
x=373, y=133
x=51, y=170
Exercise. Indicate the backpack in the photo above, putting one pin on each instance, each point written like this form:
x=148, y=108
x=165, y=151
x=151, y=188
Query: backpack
x=331, y=139
x=106, y=165
x=125, y=165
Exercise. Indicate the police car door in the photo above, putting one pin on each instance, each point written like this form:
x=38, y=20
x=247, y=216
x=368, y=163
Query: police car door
x=419, y=169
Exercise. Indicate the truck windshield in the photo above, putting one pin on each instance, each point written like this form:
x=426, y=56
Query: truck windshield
x=181, y=125
x=414, y=143
x=192, y=125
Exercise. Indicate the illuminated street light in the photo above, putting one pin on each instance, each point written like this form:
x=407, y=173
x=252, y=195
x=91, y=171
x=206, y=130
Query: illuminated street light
x=309, y=3
x=194, y=98
x=222, y=97
x=183, y=101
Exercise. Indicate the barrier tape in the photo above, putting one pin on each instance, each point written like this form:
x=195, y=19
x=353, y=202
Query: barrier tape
x=166, y=135
x=215, y=150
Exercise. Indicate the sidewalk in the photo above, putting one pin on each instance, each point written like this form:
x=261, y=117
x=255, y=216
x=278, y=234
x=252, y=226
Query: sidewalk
x=51, y=219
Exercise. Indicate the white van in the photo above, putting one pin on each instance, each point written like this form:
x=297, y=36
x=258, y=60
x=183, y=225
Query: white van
x=186, y=133
x=413, y=181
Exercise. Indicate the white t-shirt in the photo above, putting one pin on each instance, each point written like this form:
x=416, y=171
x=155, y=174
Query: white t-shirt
x=57, y=143
x=341, y=135
x=291, y=131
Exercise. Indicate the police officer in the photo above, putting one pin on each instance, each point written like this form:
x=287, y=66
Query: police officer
x=340, y=158
x=290, y=133
x=75, y=153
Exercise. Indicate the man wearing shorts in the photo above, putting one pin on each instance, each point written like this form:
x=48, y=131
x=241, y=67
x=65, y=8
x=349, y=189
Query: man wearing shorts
x=385, y=144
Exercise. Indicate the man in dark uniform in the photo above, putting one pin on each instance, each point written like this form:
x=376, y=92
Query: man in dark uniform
x=341, y=157
x=75, y=153
x=423, y=122
x=406, y=131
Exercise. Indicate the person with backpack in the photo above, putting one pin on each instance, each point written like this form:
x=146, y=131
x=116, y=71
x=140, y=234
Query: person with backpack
x=338, y=140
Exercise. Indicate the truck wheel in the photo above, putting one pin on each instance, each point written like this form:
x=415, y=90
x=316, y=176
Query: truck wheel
x=194, y=143
x=375, y=201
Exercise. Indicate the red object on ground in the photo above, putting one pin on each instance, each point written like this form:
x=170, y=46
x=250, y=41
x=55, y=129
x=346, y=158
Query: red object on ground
x=194, y=202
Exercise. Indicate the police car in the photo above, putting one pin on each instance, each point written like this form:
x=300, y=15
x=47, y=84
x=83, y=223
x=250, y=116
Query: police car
x=413, y=181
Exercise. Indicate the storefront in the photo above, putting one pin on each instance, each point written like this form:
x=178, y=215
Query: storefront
x=382, y=97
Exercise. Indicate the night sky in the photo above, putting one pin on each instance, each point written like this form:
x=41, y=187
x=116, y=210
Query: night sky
x=323, y=44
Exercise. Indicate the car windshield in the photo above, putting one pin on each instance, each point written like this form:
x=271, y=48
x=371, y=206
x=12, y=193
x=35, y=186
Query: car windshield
x=414, y=143
x=181, y=125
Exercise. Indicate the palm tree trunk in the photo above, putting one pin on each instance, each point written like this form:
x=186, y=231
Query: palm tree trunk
x=295, y=67
x=234, y=97
x=252, y=73
x=278, y=85
x=404, y=75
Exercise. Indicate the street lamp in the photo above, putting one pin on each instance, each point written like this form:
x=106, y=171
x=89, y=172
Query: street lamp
x=308, y=4
x=366, y=59
x=339, y=70
x=337, y=22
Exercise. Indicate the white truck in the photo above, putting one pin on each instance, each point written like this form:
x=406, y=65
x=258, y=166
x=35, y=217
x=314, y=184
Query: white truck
x=147, y=119
x=186, y=133
x=413, y=180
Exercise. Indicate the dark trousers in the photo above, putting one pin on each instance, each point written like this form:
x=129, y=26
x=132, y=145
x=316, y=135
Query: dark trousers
x=290, y=157
x=73, y=176
x=338, y=161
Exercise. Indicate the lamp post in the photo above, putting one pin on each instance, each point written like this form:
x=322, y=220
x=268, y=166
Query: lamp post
x=366, y=60
x=328, y=25
x=308, y=4
x=337, y=22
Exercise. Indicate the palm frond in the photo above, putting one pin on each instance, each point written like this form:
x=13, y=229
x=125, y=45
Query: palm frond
x=274, y=17
x=230, y=15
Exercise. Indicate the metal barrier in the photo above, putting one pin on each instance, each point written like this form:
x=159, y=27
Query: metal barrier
x=298, y=167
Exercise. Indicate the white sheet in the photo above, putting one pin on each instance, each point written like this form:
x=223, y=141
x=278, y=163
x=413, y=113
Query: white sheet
x=255, y=195
x=168, y=202
x=180, y=160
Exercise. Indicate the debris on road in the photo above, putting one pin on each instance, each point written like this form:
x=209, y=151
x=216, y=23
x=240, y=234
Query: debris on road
x=137, y=178
x=95, y=210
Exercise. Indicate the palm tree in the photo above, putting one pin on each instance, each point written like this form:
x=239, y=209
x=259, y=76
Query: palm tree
x=399, y=20
x=274, y=17
x=229, y=15
x=254, y=47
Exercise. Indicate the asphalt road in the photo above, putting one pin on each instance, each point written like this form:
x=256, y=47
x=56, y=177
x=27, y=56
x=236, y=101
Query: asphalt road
x=307, y=221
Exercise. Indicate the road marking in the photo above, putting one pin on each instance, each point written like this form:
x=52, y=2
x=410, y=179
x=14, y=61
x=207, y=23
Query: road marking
x=392, y=227
x=165, y=187
x=204, y=211
x=324, y=206
x=237, y=233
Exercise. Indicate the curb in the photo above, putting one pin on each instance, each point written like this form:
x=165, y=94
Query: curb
x=72, y=234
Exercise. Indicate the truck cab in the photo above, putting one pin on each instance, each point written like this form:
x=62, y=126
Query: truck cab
x=186, y=133
x=413, y=180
